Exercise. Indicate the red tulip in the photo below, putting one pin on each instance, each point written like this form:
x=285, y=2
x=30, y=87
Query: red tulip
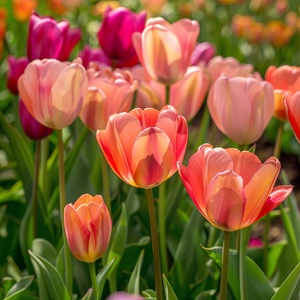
x=232, y=189
x=143, y=146
x=88, y=227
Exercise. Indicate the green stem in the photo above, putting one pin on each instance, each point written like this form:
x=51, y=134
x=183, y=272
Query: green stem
x=63, y=203
x=212, y=236
x=204, y=127
x=225, y=259
x=105, y=180
x=162, y=227
x=92, y=270
x=168, y=87
x=43, y=166
x=155, y=246
x=278, y=142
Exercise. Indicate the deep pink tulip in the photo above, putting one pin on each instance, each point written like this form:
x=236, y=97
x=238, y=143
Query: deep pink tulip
x=143, y=146
x=165, y=49
x=16, y=67
x=292, y=108
x=88, y=227
x=53, y=91
x=202, y=54
x=230, y=188
x=110, y=91
x=115, y=35
x=241, y=107
x=49, y=39
x=32, y=128
x=89, y=55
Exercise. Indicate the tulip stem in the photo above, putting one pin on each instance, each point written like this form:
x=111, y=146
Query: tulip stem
x=204, y=127
x=162, y=227
x=278, y=142
x=168, y=87
x=155, y=245
x=92, y=270
x=106, y=188
x=63, y=202
x=225, y=259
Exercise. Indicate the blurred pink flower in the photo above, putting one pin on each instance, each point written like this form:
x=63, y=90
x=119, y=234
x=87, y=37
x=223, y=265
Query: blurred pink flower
x=124, y=296
x=89, y=55
x=202, y=54
x=16, y=67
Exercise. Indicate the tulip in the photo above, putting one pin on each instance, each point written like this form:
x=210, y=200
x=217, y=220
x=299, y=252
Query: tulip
x=241, y=107
x=22, y=9
x=202, y=54
x=115, y=35
x=292, y=108
x=109, y=92
x=88, y=227
x=278, y=34
x=53, y=91
x=187, y=94
x=143, y=146
x=230, y=188
x=124, y=296
x=165, y=49
x=33, y=129
x=16, y=67
x=49, y=39
x=89, y=55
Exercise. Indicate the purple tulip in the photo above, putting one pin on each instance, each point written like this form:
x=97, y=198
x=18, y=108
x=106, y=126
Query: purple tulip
x=16, y=67
x=50, y=39
x=32, y=128
x=115, y=35
x=202, y=54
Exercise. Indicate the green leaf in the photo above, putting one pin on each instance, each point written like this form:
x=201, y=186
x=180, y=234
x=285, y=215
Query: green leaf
x=102, y=276
x=289, y=286
x=89, y=295
x=134, y=281
x=258, y=286
x=50, y=282
x=18, y=288
x=15, y=193
x=44, y=249
x=149, y=294
x=170, y=295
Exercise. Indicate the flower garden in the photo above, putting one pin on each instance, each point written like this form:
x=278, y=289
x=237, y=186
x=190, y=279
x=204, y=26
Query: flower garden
x=149, y=150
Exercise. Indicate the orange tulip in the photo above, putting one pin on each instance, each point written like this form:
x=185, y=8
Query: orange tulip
x=292, y=108
x=53, y=91
x=165, y=49
x=88, y=227
x=22, y=9
x=232, y=189
x=143, y=146
x=110, y=91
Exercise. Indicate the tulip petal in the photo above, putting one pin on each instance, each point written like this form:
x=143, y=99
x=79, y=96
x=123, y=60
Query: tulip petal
x=292, y=107
x=152, y=158
x=87, y=198
x=226, y=201
x=258, y=189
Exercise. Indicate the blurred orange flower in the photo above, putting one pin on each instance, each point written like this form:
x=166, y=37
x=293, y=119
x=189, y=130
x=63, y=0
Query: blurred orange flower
x=22, y=9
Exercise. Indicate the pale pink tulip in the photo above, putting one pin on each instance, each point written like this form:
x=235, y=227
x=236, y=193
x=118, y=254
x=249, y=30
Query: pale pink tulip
x=110, y=91
x=165, y=49
x=232, y=189
x=53, y=91
x=241, y=107
x=143, y=146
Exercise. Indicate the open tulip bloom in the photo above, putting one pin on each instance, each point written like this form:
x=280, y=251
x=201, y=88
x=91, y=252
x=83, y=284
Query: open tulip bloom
x=143, y=146
x=232, y=189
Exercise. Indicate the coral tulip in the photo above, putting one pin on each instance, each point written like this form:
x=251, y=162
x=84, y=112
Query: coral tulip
x=292, y=108
x=33, y=129
x=115, y=35
x=16, y=67
x=165, y=49
x=241, y=107
x=232, y=189
x=49, y=39
x=143, y=146
x=53, y=91
x=110, y=91
x=88, y=226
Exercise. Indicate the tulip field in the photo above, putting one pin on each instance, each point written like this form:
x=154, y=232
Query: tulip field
x=150, y=150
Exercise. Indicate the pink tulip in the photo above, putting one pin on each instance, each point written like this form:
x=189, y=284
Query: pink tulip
x=232, y=189
x=292, y=108
x=109, y=92
x=202, y=54
x=49, y=39
x=143, y=146
x=53, y=91
x=32, y=128
x=165, y=49
x=241, y=107
x=88, y=227
x=89, y=55
x=115, y=35
x=16, y=67
x=188, y=94
x=124, y=296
